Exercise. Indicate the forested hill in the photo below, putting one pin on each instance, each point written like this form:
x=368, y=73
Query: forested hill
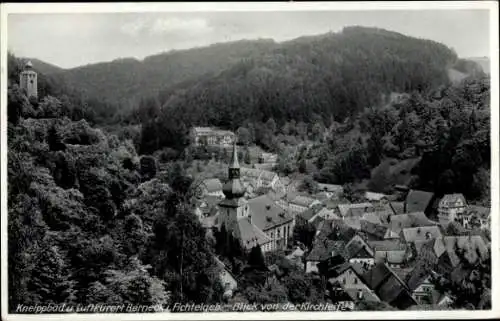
x=336, y=74
x=128, y=79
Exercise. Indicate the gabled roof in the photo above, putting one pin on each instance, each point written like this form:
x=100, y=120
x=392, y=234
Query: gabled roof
x=387, y=245
x=250, y=234
x=309, y=213
x=211, y=200
x=336, y=230
x=388, y=286
x=451, y=200
x=325, y=249
x=391, y=257
x=367, y=295
x=372, y=196
x=418, y=275
x=211, y=130
x=213, y=185
x=358, y=248
x=375, y=229
x=357, y=209
x=414, y=234
x=397, y=207
x=418, y=201
x=471, y=245
x=266, y=214
x=398, y=222
x=479, y=211
x=303, y=200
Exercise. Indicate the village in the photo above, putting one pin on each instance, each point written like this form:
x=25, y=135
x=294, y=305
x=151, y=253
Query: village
x=393, y=249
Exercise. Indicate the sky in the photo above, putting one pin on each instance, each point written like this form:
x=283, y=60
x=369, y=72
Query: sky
x=75, y=39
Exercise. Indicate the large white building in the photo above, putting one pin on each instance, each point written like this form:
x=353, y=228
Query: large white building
x=451, y=206
x=208, y=136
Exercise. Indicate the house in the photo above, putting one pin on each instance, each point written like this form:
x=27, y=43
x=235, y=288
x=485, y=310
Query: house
x=419, y=282
x=335, y=229
x=375, y=197
x=262, y=178
x=301, y=203
x=451, y=206
x=276, y=223
x=418, y=201
x=268, y=158
x=397, y=207
x=331, y=190
x=475, y=217
x=349, y=278
x=382, y=280
x=207, y=206
x=398, y=222
x=372, y=230
x=359, y=252
x=210, y=136
x=354, y=210
x=450, y=251
x=324, y=250
x=421, y=233
x=392, y=252
x=212, y=187
x=296, y=257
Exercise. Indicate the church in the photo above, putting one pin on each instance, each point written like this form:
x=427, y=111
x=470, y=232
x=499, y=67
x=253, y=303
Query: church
x=258, y=221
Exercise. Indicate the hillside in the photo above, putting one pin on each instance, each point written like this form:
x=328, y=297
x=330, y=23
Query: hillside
x=336, y=74
x=484, y=62
x=43, y=67
x=120, y=80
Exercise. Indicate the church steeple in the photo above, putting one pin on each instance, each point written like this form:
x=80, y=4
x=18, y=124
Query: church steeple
x=233, y=187
x=234, y=167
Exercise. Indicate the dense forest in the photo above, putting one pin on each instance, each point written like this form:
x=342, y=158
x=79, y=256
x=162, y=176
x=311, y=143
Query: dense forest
x=92, y=219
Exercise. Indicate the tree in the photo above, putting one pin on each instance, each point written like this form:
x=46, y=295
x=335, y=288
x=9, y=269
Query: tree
x=134, y=285
x=147, y=167
x=309, y=185
x=304, y=233
x=244, y=136
x=256, y=258
x=50, y=281
x=303, y=165
x=271, y=126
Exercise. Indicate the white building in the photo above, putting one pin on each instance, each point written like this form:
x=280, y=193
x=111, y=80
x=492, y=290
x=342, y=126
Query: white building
x=451, y=206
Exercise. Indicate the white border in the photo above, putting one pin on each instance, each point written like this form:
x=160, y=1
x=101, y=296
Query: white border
x=34, y=8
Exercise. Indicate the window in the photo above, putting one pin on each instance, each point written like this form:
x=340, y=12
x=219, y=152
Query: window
x=343, y=280
x=355, y=280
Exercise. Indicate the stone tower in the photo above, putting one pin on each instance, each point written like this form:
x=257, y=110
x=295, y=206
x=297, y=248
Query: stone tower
x=234, y=207
x=28, y=80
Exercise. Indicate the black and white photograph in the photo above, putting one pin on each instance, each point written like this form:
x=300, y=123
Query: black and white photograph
x=250, y=159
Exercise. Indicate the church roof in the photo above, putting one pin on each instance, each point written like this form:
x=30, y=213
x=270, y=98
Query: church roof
x=250, y=234
x=266, y=213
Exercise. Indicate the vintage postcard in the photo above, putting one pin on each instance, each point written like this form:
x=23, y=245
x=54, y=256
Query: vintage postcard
x=250, y=160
